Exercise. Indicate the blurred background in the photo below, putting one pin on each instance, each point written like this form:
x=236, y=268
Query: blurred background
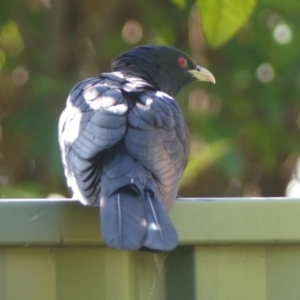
x=244, y=130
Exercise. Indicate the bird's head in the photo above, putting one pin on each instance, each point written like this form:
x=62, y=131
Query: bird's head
x=167, y=69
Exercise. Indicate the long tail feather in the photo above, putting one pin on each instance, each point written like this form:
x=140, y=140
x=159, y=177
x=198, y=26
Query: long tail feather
x=161, y=234
x=122, y=219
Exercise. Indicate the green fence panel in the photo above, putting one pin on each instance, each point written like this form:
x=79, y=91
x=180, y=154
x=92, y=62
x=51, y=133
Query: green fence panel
x=230, y=249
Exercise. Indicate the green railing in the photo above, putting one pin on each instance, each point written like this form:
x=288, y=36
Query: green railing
x=230, y=249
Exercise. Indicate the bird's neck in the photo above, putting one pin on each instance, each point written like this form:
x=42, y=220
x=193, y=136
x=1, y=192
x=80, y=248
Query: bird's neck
x=138, y=67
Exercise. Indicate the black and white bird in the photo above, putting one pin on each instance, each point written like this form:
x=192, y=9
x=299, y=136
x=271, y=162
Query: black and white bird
x=125, y=144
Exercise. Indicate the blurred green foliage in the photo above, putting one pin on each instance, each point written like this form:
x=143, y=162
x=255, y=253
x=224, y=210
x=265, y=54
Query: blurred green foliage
x=244, y=129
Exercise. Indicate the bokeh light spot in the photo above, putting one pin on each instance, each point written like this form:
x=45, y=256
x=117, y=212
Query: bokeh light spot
x=47, y=3
x=265, y=73
x=19, y=76
x=282, y=33
x=251, y=189
x=200, y=101
x=273, y=20
x=132, y=32
x=10, y=38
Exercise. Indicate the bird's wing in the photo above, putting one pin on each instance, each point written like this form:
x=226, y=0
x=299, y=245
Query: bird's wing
x=158, y=138
x=93, y=122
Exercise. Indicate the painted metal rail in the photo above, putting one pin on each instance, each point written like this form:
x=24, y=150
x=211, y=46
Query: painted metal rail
x=230, y=249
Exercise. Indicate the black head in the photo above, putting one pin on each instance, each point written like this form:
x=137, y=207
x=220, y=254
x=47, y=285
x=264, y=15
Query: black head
x=167, y=69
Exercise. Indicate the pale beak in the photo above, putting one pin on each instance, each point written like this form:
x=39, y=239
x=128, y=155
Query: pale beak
x=202, y=74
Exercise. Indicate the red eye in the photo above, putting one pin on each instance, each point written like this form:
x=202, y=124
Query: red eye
x=182, y=62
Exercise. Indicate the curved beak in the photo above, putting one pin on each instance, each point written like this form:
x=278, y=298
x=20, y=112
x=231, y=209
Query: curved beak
x=202, y=74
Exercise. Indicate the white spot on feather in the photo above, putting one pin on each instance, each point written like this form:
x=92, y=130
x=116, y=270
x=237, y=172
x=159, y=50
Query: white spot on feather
x=153, y=226
x=118, y=109
x=70, y=133
x=90, y=94
x=162, y=95
x=102, y=102
x=149, y=102
x=119, y=74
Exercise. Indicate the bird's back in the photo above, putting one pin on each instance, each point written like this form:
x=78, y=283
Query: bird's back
x=124, y=147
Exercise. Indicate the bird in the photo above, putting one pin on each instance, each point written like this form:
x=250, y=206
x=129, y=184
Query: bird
x=125, y=144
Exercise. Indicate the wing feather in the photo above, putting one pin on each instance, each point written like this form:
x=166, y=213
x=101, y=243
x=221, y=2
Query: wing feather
x=158, y=138
x=94, y=121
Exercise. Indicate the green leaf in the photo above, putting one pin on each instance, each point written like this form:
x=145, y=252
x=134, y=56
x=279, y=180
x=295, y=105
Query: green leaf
x=179, y=3
x=221, y=19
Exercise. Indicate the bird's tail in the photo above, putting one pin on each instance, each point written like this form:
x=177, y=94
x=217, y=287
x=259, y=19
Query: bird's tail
x=161, y=234
x=133, y=216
